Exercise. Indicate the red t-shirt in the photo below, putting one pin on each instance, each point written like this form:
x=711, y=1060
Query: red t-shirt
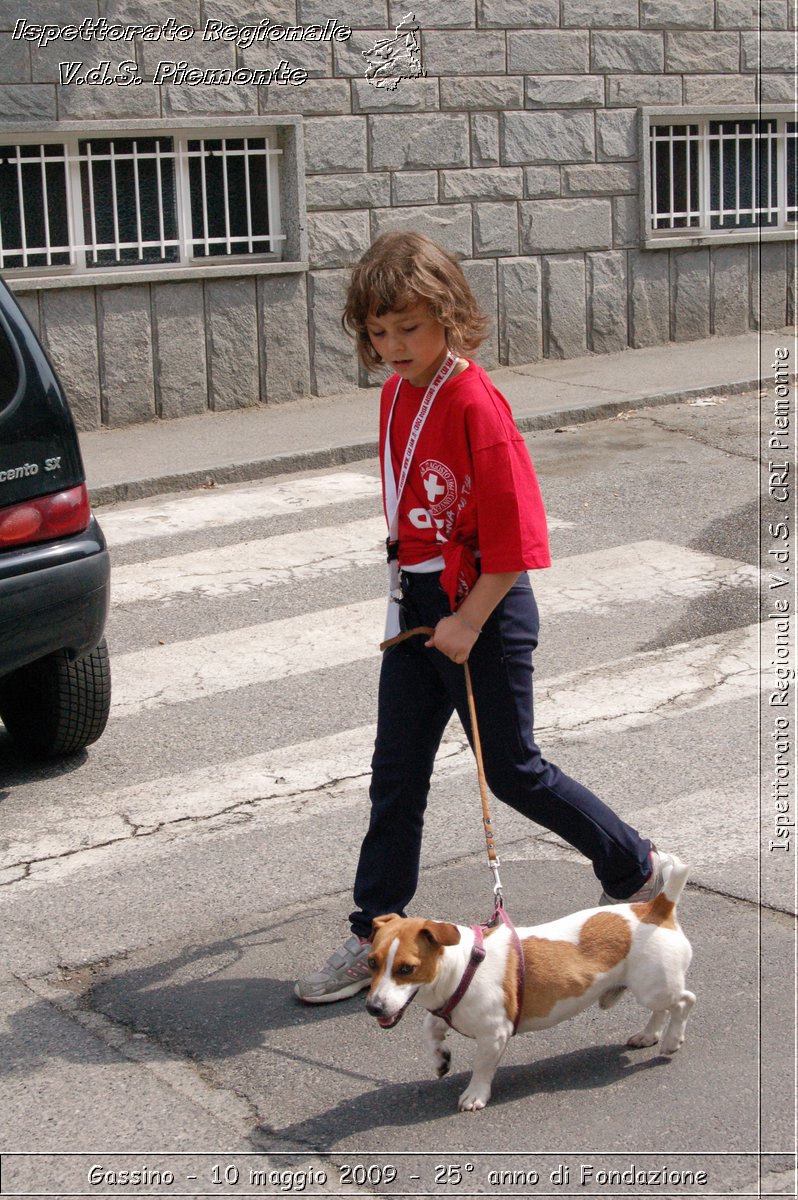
x=471, y=478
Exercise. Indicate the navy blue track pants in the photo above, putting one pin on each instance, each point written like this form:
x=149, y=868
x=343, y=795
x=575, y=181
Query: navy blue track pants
x=419, y=691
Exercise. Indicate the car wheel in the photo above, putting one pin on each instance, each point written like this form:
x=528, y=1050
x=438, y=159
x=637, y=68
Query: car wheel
x=58, y=705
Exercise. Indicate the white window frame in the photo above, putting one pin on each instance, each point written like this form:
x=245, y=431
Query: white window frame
x=285, y=190
x=703, y=234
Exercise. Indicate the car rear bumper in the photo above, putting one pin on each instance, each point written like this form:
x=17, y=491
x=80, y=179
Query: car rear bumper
x=53, y=596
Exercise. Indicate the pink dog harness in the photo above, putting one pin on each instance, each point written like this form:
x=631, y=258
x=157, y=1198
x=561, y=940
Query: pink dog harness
x=477, y=957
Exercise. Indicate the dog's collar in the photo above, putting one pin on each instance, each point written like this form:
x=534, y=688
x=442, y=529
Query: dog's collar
x=475, y=958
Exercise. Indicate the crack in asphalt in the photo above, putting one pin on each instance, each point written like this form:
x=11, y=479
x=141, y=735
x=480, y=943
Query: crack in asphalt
x=675, y=700
x=694, y=437
x=138, y=832
x=238, y=808
x=181, y=1072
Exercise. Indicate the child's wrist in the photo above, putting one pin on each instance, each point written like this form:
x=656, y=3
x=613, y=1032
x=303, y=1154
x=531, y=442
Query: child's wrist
x=472, y=628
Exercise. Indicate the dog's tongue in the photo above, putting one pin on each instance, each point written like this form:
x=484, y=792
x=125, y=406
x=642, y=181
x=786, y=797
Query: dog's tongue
x=389, y=1022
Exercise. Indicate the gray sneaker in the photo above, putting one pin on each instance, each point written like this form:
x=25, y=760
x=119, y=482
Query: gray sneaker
x=653, y=885
x=344, y=974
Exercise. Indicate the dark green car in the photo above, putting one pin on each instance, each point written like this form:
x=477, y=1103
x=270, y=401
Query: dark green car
x=55, y=682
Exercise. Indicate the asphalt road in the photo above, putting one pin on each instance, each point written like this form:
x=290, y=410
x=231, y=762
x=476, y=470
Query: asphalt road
x=160, y=893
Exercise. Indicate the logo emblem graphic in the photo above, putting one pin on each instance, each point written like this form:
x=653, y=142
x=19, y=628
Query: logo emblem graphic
x=439, y=484
x=394, y=58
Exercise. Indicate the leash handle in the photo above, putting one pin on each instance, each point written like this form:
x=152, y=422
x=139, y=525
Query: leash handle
x=408, y=633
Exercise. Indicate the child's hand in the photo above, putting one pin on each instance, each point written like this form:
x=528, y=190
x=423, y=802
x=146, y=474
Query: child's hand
x=454, y=638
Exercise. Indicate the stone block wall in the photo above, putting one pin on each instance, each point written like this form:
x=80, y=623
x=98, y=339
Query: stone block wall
x=518, y=151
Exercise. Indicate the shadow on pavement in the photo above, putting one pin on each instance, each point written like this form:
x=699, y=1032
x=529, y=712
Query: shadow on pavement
x=396, y=1106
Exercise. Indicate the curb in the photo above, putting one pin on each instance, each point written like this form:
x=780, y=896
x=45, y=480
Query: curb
x=244, y=472
x=338, y=456
x=611, y=408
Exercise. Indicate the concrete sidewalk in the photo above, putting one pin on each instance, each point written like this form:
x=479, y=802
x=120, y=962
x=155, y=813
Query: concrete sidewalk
x=253, y=443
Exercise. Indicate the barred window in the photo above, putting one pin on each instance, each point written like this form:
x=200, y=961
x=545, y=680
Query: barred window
x=742, y=174
x=721, y=177
x=86, y=203
x=34, y=230
x=674, y=171
x=128, y=201
x=230, y=196
x=792, y=171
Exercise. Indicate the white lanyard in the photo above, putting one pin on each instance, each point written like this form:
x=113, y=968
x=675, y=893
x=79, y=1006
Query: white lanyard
x=394, y=490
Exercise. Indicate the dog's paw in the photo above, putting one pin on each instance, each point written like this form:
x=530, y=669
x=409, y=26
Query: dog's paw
x=473, y=1100
x=639, y=1040
x=443, y=1060
x=671, y=1044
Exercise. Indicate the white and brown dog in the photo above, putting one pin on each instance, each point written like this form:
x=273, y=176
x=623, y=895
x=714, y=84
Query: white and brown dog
x=489, y=987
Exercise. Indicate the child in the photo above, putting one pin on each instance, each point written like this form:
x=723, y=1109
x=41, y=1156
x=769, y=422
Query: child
x=463, y=504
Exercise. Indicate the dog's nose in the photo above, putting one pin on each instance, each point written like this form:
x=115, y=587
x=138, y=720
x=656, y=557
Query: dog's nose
x=374, y=1007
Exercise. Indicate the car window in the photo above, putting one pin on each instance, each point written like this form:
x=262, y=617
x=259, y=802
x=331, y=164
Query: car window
x=9, y=371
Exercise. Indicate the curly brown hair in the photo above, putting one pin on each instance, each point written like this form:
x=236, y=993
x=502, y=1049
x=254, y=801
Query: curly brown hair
x=396, y=272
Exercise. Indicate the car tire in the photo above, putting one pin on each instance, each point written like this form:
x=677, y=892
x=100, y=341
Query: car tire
x=58, y=705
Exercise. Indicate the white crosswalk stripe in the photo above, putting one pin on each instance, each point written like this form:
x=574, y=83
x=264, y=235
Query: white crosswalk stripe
x=208, y=510
x=223, y=662
x=286, y=559
x=624, y=574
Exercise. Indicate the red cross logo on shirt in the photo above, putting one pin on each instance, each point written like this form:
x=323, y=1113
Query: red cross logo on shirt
x=440, y=485
x=434, y=488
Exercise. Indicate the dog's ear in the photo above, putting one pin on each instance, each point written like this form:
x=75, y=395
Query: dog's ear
x=440, y=933
x=378, y=922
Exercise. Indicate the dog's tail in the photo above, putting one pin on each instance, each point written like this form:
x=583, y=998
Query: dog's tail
x=676, y=879
x=663, y=907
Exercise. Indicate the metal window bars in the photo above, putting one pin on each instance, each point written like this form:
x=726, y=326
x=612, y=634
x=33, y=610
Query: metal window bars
x=790, y=160
x=675, y=159
x=232, y=192
x=33, y=202
x=134, y=201
x=743, y=170
x=127, y=188
x=716, y=175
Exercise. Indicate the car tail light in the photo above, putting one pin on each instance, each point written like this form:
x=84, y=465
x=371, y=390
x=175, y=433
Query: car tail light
x=45, y=518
